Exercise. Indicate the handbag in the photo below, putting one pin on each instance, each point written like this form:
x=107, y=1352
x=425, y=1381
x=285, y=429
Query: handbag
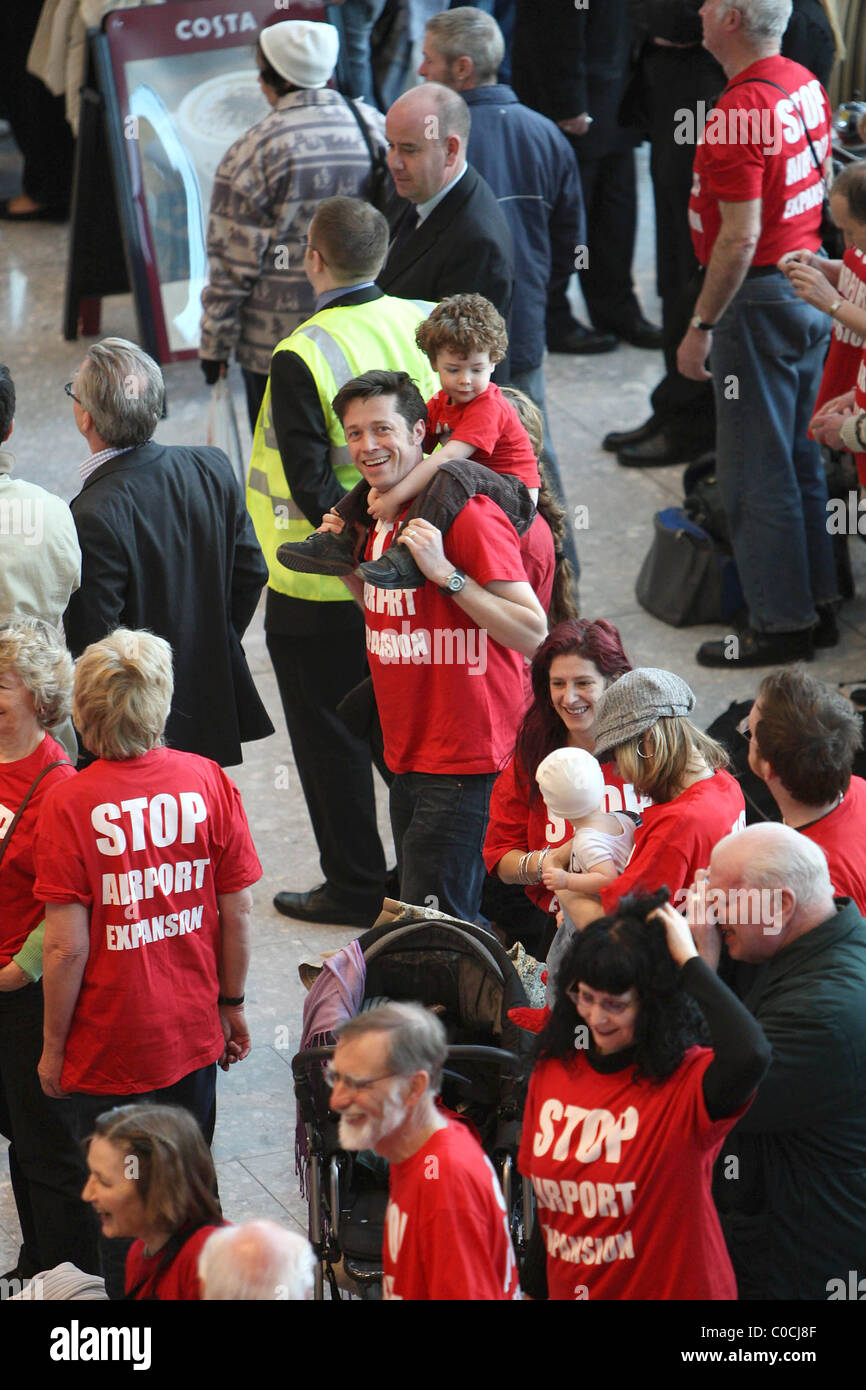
x=686, y=578
x=222, y=429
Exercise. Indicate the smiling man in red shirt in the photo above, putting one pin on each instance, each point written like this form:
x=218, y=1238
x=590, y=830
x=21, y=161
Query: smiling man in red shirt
x=446, y=659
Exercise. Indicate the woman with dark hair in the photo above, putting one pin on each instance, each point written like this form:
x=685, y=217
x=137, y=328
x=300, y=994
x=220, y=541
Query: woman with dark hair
x=626, y=1114
x=570, y=671
x=152, y=1179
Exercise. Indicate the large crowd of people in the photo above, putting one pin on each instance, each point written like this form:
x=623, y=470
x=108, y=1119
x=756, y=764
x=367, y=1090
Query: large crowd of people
x=695, y=1115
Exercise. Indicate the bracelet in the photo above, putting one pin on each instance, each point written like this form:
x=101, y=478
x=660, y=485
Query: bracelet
x=834, y=308
x=231, y=1001
x=544, y=853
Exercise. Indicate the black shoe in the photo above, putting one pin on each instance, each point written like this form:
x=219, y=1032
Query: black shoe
x=580, y=339
x=624, y=439
x=321, y=553
x=639, y=332
x=750, y=648
x=656, y=450
x=395, y=570
x=826, y=632
x=320, y=905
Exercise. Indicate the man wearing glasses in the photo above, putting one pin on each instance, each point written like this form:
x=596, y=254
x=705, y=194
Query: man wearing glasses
x=446, y=1225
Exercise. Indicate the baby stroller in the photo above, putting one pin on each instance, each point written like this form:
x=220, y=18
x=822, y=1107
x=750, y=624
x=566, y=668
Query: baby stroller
x=464, y=973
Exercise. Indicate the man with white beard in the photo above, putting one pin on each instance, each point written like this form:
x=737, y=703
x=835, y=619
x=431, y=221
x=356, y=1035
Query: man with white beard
x=446, y=1225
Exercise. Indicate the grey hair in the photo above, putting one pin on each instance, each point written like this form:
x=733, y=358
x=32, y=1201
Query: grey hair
x=762, y=19
x=416, y=1038
x=257, y=1261
x=37, y=655
x=469, y=33
x=774, y=856
x=123, y=391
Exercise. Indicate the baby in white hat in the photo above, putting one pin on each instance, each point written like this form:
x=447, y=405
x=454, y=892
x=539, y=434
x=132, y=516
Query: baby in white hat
x=572, y=784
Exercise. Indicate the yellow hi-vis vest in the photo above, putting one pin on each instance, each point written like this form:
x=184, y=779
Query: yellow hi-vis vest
x=336, y=344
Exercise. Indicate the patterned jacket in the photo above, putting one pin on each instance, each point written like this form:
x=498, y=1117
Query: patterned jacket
x=266, y=190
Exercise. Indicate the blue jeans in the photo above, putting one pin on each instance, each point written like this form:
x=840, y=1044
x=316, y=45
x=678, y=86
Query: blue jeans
x=531, y=383
x=767, y=357
x=355, y=20
x=439, y=824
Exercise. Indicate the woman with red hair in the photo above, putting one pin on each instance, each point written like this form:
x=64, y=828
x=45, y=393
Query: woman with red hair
x=570, y=671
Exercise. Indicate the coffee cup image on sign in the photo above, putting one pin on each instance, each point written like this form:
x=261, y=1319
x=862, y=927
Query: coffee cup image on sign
x=215, y=113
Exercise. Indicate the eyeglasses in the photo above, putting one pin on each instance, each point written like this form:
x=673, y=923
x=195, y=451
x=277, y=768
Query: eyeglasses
x=352, y=1083
x=743, y=729
x=69, y=391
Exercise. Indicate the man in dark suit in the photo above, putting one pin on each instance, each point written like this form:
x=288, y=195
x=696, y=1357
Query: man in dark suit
x=166, y=544
x=572, y=64
x=453, y=237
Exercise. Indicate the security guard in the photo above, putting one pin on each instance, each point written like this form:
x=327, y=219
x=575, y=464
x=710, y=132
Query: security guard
x=299, y=469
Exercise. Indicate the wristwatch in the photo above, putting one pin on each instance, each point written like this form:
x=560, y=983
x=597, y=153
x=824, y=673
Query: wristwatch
x=454, y=584
x=697, y=322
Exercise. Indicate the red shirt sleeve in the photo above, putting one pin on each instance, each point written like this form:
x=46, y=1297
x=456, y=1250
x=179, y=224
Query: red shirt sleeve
x=655, y=861
x=482, y=541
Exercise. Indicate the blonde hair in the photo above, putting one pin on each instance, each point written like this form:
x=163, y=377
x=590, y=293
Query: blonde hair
x=35, y=653
x=658, y=761
x=122, y=694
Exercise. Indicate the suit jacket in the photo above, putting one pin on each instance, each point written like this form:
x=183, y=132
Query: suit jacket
x=167, y=544
x=463, y=247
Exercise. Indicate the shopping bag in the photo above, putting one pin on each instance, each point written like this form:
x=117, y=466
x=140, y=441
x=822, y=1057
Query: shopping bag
x=222, y=429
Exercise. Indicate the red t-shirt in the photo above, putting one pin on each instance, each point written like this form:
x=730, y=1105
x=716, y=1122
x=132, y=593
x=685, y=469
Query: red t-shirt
x=762, y=152
x=178, y=1282
x=460, y=717
x=20, y=911
x=446, y=1225
x=844, y=358
x=842, y=837
x=491, y=425
x=147, y=845
x=622, y=1173
x=517, y=823
x=539, y=559
x=676, y=838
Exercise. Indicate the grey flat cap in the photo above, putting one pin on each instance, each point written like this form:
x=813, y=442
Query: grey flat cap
x=633, y=704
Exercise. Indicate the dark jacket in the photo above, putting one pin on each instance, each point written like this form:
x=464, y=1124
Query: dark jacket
x=167, y=544
x=463, y=247
x=793, y=1207
x=567, y=61
x=531, y=168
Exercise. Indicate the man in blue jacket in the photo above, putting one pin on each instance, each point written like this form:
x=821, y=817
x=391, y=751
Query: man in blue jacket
x=533, y=171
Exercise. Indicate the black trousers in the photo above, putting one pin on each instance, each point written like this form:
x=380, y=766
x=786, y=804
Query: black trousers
x=610, y=196
x=313, y=674
x=676, y=80
x=195, y=1093
x=37, y=118
x=46, y=1165
x=255, y=383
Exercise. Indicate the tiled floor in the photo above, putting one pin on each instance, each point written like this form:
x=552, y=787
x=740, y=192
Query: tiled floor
x=587, y=396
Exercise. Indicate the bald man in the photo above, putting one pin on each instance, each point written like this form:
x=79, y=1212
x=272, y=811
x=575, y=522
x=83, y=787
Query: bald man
x=453, y=238
x=790, y=1182
x=257, y=1261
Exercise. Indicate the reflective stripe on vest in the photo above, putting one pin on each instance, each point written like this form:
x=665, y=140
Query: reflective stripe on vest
x=336, y=345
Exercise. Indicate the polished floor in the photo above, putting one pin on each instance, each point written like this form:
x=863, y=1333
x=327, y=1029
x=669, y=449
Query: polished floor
x=254, y=1143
